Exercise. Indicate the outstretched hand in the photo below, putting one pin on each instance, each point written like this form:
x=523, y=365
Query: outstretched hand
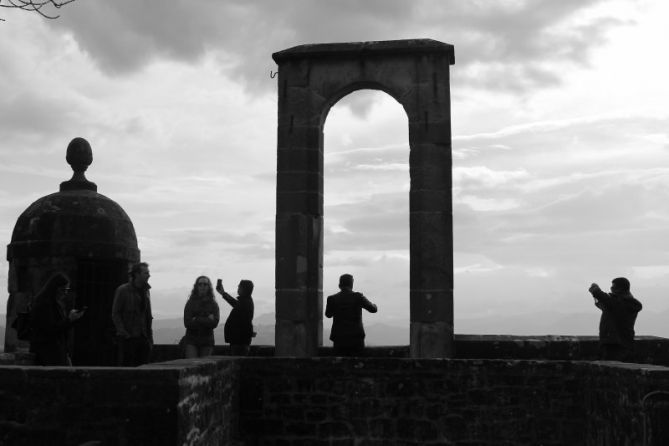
x=219, y=286
x=593, y=287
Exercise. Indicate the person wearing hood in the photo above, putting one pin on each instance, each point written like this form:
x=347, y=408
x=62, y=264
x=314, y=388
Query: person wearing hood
x=616, y=325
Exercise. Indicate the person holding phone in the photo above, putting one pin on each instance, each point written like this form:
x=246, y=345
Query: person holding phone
x=345, y=309
x=52, y=318
x=201, y=316
x=238, y=328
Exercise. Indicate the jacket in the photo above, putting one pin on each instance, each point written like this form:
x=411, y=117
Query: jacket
x=619, y=312
x=345, y=308
x=131, y=312
x=238, y=327
x=199, y=326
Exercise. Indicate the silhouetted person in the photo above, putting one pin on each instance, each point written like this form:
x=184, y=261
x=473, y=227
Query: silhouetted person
x=238, y=327
x=616, y=325
x=201, y=316
x=51, y=320
x=131, y=313
x=345, y=307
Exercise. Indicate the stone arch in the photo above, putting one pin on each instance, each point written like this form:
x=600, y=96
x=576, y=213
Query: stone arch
x=312, y=78
x=352, y=88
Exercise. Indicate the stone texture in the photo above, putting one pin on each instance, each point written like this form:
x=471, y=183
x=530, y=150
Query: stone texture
x=376, y=400
x=312, y=78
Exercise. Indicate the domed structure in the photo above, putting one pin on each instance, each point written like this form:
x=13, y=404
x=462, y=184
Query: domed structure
x=84, y=234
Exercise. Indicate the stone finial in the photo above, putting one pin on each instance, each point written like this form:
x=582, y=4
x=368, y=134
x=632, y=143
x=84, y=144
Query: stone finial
x=79, y=156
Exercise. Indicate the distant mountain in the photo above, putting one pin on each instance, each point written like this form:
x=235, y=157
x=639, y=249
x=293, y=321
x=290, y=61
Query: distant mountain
x=396, y=332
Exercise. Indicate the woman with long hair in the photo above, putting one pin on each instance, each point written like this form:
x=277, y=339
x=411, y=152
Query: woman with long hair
x=51, y=321
x=201, y=316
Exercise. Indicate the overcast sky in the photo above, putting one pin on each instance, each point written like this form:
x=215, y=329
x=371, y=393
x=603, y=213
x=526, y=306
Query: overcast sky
x=560, y=142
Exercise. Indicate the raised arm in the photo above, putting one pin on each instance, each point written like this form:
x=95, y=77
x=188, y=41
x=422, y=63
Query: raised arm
x=367, y=305
x=601, y=298
x=228, y=298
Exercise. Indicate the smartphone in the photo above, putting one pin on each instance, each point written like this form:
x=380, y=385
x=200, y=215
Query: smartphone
x=219, y=283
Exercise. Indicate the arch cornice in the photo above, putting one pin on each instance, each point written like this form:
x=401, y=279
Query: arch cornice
x=365, y=49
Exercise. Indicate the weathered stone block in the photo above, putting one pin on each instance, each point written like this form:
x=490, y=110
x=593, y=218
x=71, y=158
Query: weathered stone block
x=432, y=305
x=430, y=201
x=300, y=160
x=425, y=129
x=295, y=338
x=431, y=340
x=310, y=203
x=299, y=181
x=293, y=136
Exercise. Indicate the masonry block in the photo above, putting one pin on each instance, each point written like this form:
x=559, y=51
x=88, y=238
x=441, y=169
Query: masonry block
x=431, y=340
x=432, y=305
x=299, y=160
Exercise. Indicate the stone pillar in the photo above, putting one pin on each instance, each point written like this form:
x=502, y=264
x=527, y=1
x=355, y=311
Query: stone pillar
x=431, y=222
x=299, y=218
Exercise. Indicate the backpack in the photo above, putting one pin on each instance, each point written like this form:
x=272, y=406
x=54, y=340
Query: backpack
x=22, y=325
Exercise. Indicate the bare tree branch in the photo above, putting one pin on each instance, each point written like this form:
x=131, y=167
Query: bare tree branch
x=35, y=6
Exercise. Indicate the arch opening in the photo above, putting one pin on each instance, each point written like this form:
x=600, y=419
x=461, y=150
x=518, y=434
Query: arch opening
x=366, y=209
x=311, y=79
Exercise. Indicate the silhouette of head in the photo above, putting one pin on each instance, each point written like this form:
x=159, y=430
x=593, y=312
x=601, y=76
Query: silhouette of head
x=202, y=288
x=346, y=281
x=621, y=284
x=245, y=288
x=139, y=273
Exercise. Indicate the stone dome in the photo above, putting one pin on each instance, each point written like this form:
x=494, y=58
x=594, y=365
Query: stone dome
x=77, y=221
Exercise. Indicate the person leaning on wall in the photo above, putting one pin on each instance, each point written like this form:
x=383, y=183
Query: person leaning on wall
x=52, y=317
x=201, y=316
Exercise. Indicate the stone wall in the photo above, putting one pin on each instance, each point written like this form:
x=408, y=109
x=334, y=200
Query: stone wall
x=627, y=404
x=411, y=402
x=161, y=404
x=648, y=349
x=375, y=400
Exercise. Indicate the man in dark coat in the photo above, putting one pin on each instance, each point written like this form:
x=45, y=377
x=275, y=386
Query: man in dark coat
x=238, y=329
x=616, y=325
x=345, y=307
x=131, y=313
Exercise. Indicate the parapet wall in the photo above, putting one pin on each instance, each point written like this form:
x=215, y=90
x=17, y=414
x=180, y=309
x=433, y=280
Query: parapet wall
x=184, y=403
x=455, y=402
x=376, y=400
x=323, y=401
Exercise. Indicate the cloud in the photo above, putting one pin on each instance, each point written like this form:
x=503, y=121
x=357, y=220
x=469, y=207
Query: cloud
x=505, y=46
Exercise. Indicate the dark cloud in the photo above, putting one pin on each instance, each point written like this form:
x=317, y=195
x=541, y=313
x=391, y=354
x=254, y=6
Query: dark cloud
x=499, y=46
